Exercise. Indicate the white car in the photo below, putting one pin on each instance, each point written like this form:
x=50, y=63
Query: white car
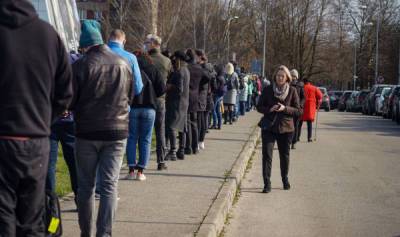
x=380, y=98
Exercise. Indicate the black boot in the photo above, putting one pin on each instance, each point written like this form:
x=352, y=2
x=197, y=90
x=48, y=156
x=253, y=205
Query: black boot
x=225, y=117
x=230, y=117
x=267, y=187
x=286, y=184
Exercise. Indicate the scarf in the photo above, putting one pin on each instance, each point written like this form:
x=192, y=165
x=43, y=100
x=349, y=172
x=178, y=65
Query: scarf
x=281, y=94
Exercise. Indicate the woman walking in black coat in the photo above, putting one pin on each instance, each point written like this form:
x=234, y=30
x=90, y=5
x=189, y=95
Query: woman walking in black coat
x=279, y=103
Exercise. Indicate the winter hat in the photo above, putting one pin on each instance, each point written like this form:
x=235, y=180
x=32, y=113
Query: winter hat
x=90, y=33
x=180, y=55
x=229, y=68
x=294, y=73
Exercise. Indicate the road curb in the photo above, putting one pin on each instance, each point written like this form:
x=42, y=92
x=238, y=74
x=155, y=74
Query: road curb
x=214, y=222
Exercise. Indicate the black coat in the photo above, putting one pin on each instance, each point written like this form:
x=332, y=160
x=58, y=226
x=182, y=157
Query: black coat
x=177, y=99
x=35, y=73
x=198, y=80
x=153, y=86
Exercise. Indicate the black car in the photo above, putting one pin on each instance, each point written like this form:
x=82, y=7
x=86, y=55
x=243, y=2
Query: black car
x=396, y=109
x=343, y=99
x=334, y=97
x=376, y=91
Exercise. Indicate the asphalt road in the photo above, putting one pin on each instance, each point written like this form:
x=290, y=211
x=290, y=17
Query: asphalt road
x=345, y=184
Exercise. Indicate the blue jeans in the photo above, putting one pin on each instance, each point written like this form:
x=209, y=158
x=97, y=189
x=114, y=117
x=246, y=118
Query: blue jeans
x=101, y=159
x=242, y=107
x=62, y=132
x=217, y=115
x=141, y=123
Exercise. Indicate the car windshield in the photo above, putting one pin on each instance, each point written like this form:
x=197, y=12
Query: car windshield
x=347, y=94
x=386, y=91
x=380, y=89
x=323, y=90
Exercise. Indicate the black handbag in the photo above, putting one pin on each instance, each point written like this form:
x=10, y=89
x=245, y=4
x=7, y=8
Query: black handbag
x=266, y=123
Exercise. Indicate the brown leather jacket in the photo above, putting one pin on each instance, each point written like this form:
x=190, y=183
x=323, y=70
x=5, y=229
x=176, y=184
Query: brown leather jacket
x=103, y=91
x=284, y=120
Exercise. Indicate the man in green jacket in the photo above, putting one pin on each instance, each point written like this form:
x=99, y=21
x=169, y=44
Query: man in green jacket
x=164, y=66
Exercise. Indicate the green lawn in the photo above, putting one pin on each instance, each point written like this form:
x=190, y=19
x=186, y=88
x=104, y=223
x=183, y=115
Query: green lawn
x=63, y=184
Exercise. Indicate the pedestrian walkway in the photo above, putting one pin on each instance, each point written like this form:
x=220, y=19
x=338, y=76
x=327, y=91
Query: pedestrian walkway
x=346, y=184
x=174, y=202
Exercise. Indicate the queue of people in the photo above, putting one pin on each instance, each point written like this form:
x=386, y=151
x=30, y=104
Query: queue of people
x=100, y=105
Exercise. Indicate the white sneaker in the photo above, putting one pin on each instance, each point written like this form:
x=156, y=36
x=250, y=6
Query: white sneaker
x=131, y=176
x=140, y=177
x=201, y=145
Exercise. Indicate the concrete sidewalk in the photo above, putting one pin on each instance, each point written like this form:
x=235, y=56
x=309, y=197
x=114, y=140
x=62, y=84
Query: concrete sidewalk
x=175, y=202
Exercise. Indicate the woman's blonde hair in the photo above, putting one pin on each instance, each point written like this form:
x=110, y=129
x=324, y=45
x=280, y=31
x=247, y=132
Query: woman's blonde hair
x=286, y=71
x=229, y=69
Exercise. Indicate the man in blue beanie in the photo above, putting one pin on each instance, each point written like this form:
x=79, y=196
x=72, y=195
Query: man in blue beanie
x=103, y=93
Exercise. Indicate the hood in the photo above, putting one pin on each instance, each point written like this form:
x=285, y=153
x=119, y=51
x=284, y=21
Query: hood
x=14, y=14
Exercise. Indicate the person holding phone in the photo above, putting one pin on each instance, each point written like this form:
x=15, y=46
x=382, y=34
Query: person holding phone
x=279, y=103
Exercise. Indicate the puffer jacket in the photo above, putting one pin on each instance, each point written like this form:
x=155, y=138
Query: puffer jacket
x=103, y=89
x=244, y=92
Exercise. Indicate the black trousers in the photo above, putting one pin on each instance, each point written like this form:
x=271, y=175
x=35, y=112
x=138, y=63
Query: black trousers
x=23, y=170
x=297, y=130
x=159, y=125
x=192, y=135
x=172, y=137
x=309, y=129
x=268, y=142
x=202, y=124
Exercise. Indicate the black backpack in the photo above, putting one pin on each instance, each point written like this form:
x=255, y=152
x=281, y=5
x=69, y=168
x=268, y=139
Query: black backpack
x=52, y=215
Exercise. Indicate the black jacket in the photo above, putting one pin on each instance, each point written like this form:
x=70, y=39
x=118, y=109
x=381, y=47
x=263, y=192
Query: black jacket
x=35, y=74
x=299, y=85
x=198, y=79
x=103, y=89
x=283, y=120
x=153, y=85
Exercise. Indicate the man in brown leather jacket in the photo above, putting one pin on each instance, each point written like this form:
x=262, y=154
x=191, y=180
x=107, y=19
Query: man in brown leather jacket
x=103, y=89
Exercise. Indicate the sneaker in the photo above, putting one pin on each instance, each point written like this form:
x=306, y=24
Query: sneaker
x=162, y=166
x=201, y=145
x=131, y=175
x=140, y=177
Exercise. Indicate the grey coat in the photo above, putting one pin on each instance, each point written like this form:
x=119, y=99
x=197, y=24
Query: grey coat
x=177, y=99
x=232, y=83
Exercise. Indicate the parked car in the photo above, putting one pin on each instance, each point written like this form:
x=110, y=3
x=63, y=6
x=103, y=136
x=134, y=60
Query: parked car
x=325, y=104
x=343, y=99
x=387, y=110
x=396, y=110
x=351, y=103
x=360, y=100
x=375, y=93
x=394, y=103
x=380, y=99
x=334, y=97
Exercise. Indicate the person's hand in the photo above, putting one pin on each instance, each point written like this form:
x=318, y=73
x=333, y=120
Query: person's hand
x=274, y=108
x=280, y=108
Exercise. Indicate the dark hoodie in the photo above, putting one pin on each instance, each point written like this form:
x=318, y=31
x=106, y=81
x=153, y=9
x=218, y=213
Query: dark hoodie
x=35, y=75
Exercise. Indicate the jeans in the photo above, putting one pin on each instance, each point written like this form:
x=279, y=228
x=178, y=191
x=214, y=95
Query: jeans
x=242, y=108
x=268, y=142
x=160, y=131
x=309, y=129
x=141, y=123
x=192, y=136
x=217, y=115
x=62, y=132
x=249, y=105
x=23, y=169
x=104, y=158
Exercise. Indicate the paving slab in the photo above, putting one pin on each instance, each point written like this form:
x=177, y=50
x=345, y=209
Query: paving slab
x=175, y=202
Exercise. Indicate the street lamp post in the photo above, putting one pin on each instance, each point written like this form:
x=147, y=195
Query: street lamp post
x=229, y=34
x=265, y=39
x=377, y=46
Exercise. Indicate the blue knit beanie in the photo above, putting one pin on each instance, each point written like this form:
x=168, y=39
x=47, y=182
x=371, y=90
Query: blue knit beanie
x=90, y=33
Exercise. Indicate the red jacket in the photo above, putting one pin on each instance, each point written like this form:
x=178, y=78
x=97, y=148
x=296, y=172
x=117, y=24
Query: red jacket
x=313, y=97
